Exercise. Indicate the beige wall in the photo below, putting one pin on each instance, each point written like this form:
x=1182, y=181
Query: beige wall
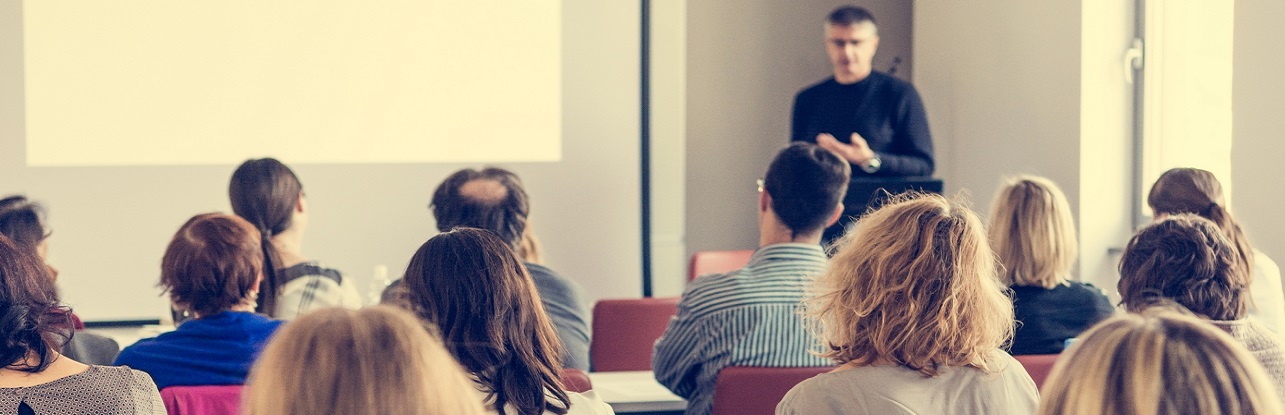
x=1033, y=88
x=1258, y=127
x=745, y=62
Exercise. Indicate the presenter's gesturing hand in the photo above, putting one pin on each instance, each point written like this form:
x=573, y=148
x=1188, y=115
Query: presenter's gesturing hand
x=858, y=152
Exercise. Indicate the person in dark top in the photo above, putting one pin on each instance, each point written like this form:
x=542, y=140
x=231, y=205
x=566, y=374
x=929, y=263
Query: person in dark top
x=873, y=120
x=1033, y=235
x=495, y=200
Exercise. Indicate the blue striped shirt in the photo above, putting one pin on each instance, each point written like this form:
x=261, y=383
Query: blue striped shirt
x=748, y=317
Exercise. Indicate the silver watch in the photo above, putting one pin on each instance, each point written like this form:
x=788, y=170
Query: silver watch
x=871, y=166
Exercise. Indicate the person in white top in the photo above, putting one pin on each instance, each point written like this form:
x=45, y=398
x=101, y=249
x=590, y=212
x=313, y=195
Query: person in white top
x=469, y=284
x=267, y=194
x=1196, y=191
x=912, y=310
x=1127, y=365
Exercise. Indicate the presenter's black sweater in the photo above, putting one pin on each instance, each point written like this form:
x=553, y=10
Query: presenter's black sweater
x=884, y=110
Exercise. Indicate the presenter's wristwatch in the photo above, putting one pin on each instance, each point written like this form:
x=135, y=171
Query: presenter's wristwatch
x=871, y=166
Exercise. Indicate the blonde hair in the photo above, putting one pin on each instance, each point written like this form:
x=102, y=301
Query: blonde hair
x=378, y=360
x=1032, y=232
x=913, y=284
x=1160, y=362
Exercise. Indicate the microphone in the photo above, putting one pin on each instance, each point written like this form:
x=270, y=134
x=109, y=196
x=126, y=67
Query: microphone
x=892, y=70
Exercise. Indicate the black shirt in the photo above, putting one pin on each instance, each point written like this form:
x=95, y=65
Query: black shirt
x=886, y=111
x=1046, y=318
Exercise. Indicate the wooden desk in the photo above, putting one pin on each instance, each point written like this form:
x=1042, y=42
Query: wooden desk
x=636, y=393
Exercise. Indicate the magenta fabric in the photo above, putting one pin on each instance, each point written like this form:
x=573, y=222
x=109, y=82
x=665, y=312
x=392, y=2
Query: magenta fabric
x=202, y=400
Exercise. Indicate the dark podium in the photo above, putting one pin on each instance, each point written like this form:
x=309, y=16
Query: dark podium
x=865, y=193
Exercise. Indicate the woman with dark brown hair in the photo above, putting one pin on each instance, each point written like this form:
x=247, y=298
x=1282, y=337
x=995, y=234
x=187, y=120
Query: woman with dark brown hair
x=35, y=378
x=1187, y=259
x=1196, y=191
x=267, y=194
x=469, y=284
x=211, y=270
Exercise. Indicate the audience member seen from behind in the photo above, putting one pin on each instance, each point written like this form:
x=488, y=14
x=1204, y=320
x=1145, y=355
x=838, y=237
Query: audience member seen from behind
x=1186, y=259
x=469, y=284
x=35, y=378
x=750, y=316
x=495, y=200
x=268, y=195
x=1188, y=190
x=378, y=360
x=1160, y=362
x=23, y=222
x=912, y=310
x=211, y=270
x=1033, y=236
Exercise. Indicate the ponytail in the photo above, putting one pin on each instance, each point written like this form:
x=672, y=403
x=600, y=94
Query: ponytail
x=267, y=303
x=1221, y=217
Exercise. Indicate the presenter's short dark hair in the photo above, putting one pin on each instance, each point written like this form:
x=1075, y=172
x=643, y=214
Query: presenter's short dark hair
x=806, y=183
x=505, y=215
x=849, y=15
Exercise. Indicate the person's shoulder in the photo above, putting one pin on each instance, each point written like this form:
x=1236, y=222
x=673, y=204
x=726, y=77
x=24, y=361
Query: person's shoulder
x=587, y=403
x=817, y=88
x=1084, y=290
x=546, y=278
x=891, y=83
x=310, y=269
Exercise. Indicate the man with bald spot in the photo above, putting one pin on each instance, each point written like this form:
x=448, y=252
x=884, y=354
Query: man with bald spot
x=494, y=199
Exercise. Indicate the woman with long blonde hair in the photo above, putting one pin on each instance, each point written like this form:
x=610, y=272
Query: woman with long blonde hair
x=1159, y=362
x=1033, y=235
x=378, y=360
x=913, y=312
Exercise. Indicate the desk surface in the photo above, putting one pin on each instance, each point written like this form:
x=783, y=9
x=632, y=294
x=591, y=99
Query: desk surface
x=635, y=392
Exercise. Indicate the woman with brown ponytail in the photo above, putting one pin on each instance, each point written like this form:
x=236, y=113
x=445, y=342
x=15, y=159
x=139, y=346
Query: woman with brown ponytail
x=268, y=194
x=1196, y=191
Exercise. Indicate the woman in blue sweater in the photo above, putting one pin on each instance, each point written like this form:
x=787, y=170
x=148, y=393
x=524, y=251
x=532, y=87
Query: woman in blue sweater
x=212, y=270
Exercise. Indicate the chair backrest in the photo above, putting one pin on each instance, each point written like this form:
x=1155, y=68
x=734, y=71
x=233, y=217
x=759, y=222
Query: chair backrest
x=742, y=390
x=1038, y=366
x=575, y=380
x=625, y=331
x=202, y=400
x=711, y=262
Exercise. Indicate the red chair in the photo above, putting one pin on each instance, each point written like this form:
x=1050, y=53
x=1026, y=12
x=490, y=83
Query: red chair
x=1038, y=366
x=624, y=332
x=575, y=380
x=202, y=400
x=711, y=262
x=742, y=390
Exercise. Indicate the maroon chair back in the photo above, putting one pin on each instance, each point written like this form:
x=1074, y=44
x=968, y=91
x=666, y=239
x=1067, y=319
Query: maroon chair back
x=742, y=390
x=624, y=332
x=575, y=380
x=202, y=400
x=711, y=262
x=1038, y=366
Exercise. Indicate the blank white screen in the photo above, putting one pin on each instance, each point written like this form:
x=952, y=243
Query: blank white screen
x=148, y=82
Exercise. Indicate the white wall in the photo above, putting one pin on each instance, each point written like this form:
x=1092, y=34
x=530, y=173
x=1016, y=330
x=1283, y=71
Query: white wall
x=1258, y=127
x=745, y=62
x=1015, y=87
x=111, y=224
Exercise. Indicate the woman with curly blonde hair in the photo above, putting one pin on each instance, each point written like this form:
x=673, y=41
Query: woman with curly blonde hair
x=1159, y=362
x=1033, y=235
x=378, y=360
x=914, y=314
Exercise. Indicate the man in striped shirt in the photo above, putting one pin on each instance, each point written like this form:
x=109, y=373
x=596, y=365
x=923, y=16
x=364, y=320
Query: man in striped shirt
x=750, y=317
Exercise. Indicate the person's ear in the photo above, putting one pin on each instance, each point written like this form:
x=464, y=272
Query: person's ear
x=765, y=201
x=299, y=204
x=838, y=212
